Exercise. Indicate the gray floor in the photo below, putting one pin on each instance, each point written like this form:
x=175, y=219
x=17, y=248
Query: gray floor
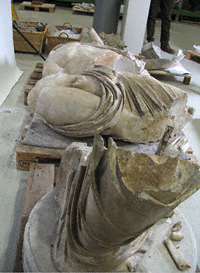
x=13, y=115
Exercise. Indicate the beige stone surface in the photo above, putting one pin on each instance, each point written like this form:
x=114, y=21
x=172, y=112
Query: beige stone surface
x=68, y=109
x=71, y=58
x=75, y=58
x=130, y=107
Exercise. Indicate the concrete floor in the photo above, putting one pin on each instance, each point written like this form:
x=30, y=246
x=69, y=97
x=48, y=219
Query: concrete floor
x=13, y=115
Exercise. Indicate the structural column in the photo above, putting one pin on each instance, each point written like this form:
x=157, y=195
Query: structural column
x=134, y=24
x=106, y=16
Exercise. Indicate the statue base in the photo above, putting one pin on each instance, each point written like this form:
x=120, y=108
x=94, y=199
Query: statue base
x=40, y=236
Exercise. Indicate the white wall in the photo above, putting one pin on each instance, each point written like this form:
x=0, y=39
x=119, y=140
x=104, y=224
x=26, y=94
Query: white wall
x=9, y=72
x=134, y=24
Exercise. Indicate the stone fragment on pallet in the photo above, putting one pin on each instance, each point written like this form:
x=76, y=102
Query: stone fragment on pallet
x=136, y=108
x=92, y=184
x=83, y=7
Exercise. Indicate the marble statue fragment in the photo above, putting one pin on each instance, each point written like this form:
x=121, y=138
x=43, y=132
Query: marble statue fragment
x=176, y=254
x=130, y=107
x=75, y=58
x=112, y=40
x=108, y=199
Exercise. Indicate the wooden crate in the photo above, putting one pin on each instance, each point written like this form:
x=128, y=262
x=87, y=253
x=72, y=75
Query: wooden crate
x=53, y=41
x=44, y=7
x=34, y=77
x=37, y=39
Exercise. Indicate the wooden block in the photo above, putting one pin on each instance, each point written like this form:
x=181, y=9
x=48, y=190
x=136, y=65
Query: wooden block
x=25, y=155
x=40, y=181
x=51, y=10
x=26, y=128
x=188, y=55
x=186, y=80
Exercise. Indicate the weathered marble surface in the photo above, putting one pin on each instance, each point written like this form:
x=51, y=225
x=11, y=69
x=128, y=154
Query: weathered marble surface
x=135, y=108
x=75, y=58
x=108, y=197
x=118, y=196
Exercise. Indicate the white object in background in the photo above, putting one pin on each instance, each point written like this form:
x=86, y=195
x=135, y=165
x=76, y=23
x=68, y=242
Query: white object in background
x=151, y=51
x=178, y=57
x=178, y=69
x=134, y=24
x=122, y=9
x=197, y=48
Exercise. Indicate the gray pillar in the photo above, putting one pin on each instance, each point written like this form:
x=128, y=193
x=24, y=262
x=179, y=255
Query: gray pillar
x=106, y=16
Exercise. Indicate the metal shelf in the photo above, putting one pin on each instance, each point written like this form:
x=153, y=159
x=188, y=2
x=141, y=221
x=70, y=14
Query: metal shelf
x=179, y=13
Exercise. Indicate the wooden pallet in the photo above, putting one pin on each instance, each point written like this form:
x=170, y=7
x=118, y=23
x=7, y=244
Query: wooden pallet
x=82, y=11
x=41, y=180
x=186, y=77
x=34, y=77
x=27, y=154
x=44, y=7
x=192, y=53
